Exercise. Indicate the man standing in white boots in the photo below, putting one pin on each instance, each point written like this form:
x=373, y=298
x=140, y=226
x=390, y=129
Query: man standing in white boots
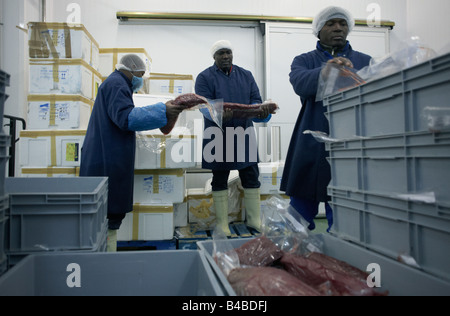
x=233, y=84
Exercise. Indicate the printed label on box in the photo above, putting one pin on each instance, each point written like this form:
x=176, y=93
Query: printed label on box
x=72, y=151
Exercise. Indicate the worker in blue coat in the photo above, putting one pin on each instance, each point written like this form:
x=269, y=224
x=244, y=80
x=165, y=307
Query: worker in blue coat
x=307, y=172
x=109, y=146
x=234, y=147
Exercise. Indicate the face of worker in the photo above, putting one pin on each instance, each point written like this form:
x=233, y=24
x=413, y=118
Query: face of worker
x=334, y=33
x=224, y=58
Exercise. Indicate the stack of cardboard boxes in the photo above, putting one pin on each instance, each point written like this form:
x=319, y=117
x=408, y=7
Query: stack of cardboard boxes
x=63, y=84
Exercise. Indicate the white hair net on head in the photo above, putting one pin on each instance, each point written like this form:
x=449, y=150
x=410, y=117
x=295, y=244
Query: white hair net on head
x=220, y=45
x=131, y=62
x=330, y=13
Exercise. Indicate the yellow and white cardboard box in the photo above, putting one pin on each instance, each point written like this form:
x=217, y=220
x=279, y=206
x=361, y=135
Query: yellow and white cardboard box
x=201, y=205
x=171, y=84
x=270, y=175
x=62, y=40
x=50, y=172
x=165, y=152
x=51, y=148
x=159, y=186
x=63, y=76
x=148, y=222
x=52, y=111
x=110, y=57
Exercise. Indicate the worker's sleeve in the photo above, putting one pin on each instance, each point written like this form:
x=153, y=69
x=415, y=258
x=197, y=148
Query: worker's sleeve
x=147, y=117
x=303, y=78
x=267, y=119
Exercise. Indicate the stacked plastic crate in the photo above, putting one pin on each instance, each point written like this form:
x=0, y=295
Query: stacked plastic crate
x=64, y=81
x=391, y=166
x=4, y=143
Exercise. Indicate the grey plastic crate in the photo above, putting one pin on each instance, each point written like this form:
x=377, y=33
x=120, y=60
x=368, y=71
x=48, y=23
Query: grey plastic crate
x=394, y=226
x=410, y=163
x=3, y=219
x=143, y=273
x=5, y=142
x=48, y=214
x=397, y=278
x=14, y=258
x=395, y=104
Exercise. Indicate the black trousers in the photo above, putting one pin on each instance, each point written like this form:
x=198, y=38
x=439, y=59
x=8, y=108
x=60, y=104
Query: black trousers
x=115, y=220
x=249, y=178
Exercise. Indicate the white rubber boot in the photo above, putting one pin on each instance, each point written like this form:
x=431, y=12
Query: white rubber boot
x=252, y=200
x=111, y=245
x=220, y=199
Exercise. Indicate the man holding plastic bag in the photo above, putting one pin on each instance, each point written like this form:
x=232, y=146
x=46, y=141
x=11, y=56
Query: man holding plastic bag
x=229, y=82
x=307, y=172
x=109, y=146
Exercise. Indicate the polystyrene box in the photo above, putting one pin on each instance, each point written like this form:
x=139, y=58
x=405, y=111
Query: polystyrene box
x=159, y=186
x=270, y=175
x=110, y=57
x=62, y=40
x=148, y=222
x=51, y=148
x=63, y=76
x=50, y=172
x=171, y=84
x=165, y=152
x=58, y=111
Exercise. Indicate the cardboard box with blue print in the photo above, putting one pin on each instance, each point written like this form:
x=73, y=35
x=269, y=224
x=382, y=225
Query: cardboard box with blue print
x=159, y=186
x=52, y=111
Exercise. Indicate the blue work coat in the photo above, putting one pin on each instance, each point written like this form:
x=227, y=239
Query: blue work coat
x=307, y=172
x=110, y=143
x=237, y=87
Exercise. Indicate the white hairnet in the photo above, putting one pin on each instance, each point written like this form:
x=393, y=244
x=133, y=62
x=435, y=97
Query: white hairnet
x=131, y=62
x=220, y=45
x=330, y=13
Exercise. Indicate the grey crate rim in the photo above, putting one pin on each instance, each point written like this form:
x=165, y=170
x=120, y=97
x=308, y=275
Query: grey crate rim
x=89, y=264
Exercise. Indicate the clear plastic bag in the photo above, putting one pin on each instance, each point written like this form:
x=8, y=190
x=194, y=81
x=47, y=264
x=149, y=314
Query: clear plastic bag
x=335, y=78
x=409, y=53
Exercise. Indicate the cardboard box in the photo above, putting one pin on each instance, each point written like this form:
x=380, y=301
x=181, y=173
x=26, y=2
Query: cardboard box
x=64, y=76
x=110, y=57
x=171, y=84
x=51, y=111
x=158, y=186
x=165, y=152
x=50, y=172
x=51, y=148
x=62, y=40
x=148, y=222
